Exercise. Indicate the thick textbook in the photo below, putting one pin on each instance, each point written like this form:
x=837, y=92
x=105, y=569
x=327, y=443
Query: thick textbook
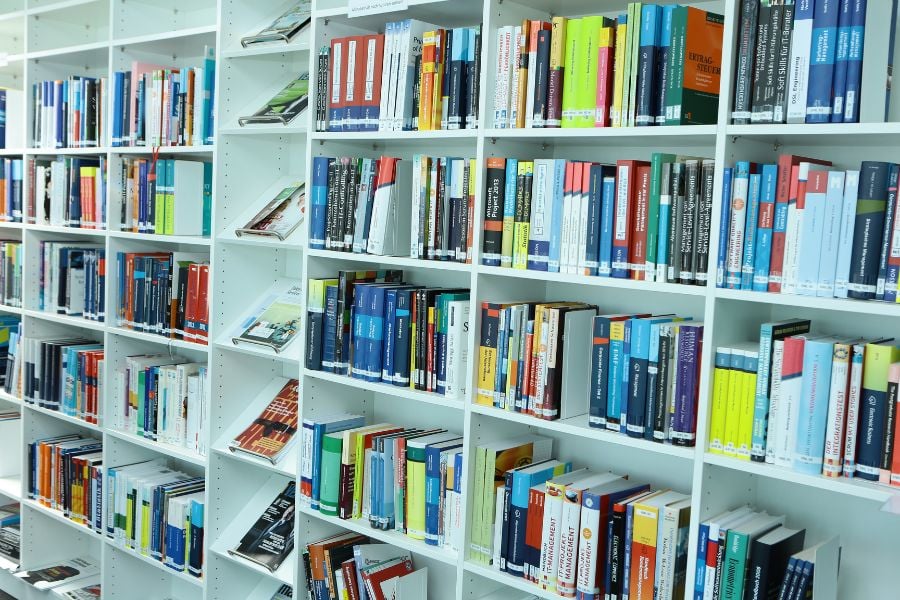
x=274, y=431
x=276, y=322
x=280, y=217
x=284, y=28
x=56, y=574
x=271, y=538
x=284, y=106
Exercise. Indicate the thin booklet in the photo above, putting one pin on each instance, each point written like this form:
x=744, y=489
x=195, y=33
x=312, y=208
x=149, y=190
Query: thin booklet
x=276, y=321
x=271, y=539
x=284, y=28
x=284, y=106
x=281, y=216
x=56, y=574
x=274, y=431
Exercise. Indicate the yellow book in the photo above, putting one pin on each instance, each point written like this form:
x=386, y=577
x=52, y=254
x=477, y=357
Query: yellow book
x=145, y=528
x=748, y=401
x=556, y=78
x=573, y=33
x=644, y=536
x=488, y=353
x=585, y=70
x=437, y=100
x=615, y=111
x=631, y=61
x=159, y=224
x=737, y=385
x=721, y=377
x=359, y=465
x=522, y=225
x=429, y=48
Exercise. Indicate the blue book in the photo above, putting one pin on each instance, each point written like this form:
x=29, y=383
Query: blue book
x=319, y=202
x=638, y=363
x=747, y=262
x=599, y=386
x=556, y=215
x=195, y=552
x=607, y=216
x=360, y=328
x=841, y=56
x=390, y=331
x=617, y=364
x=434, y=486
x=700, y=568
x=724, y=221
x=763, y=253
x=821, y=61
x=401, y=338
x=374, y=335
x=808, y=452
x=875, y=179
x=509, y=205
x=502, y=351
x=648, y=41
x=741, y=190
x=624, y=394
x=854, y=59
x=329, y=331
x=595, y=204
x=831, y=237
x=118, y=96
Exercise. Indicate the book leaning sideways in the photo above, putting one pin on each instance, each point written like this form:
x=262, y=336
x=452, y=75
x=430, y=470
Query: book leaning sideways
x=284, y=106
x=56, y=574
x=273, y=432
x=271, y=539
x=276, y=321
x=280, y=217
x=284, y=28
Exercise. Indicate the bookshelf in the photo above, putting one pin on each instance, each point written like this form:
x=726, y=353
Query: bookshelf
x=44, y=39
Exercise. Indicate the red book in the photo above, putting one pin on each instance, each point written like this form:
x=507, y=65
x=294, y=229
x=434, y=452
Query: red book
x=373, y=578
x=203, y=305
x=373, y=51
x=191, y=329
x=348, y=568
x=783, y=193
x=624, y=213
x=605, y=71
x=893, y=383
x=637, y=253
x=534, y=523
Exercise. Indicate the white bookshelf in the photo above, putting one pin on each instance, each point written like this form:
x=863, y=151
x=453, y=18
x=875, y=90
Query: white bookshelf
x=55, y=38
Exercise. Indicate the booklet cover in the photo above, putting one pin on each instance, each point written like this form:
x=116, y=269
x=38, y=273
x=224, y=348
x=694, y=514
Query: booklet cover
x=87, y=589
x=271, y=539
x=284, y=106
x=284, y=28
x=280, y=217
x=273, y=432
x=54, y=575
x=276, y=322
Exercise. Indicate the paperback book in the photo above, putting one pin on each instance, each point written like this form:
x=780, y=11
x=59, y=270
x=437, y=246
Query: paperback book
x=276, y=322
x=273, y=432
x=56, y=574
x=280, y=217
x=284, y=106
x=284, y=28
x=271, y=539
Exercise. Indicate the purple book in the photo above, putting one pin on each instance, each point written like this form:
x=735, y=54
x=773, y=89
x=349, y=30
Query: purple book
x=690, y=345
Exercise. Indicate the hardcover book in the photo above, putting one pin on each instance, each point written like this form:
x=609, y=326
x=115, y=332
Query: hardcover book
x=284, y=28
x=281, y=216
x=284, y=106
x=272, y=434
x=276, y=322
x=271, y=539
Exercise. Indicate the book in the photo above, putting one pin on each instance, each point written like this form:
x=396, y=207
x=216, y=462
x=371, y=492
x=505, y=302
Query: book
x=270, y=540
x=284, y=28
x=284, y=106
x=275, y=323
x=273, y=433
x=55, y=574
x=280, y=217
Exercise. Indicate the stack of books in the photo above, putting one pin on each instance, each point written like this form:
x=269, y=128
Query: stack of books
x=380, y=473
x=641, y=220
x=170, y=528
x=67, y=191
x=799, y=62
x=797, y=227
x=653, y=65
x=170, y=197
x=69, y=113
x=161, y=398
x=77, y=463
x=73, y=279
x=164, y=293
x=153, y=105
x=414, y=77
x=10, y=534
x=11, y=258
x=390, y=332
x=11, y=190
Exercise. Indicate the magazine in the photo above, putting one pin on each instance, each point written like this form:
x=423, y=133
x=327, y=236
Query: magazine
x=86, y=589
x=281, y=216
x=273, y=432
x=284, y=28
x=276, y=322
x=271, y=539
x=284, y=106
x=285, y=592
x=56, y=574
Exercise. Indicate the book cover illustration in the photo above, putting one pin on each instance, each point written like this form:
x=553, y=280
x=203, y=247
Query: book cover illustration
x=272, y=434
x=277, y=324
x=284, y=106
x=285, y=27
x=51, y=576
x=281, y=216
x=271, y=539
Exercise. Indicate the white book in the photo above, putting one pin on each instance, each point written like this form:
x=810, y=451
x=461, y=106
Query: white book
x=670, y=538
x=389, y=226
x=187, y=192
x=532, y=76
x=496, y=559
x=359, y=218
x=502, y=77
x=831, y=234
x=515, y=48
x=579, y=235
x=810, y=237
x=457, y=348
x=845, y=243
x=854, y=393
x=385, y=114
x=416, y=196
x=793, y=242
x=570, y=202
x=837, y=406
x=550, y=540
x=798, y=67
x=410, y=47
x=775, y=405
x=791, y=396
x=412, y=586
x=541, y=218
x=736, y=229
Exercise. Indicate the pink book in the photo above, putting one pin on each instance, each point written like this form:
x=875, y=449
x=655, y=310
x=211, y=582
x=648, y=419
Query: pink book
x=892, y=476
x=605, y=70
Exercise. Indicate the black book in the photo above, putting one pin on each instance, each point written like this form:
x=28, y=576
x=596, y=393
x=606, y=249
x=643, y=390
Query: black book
x=744, y=67
x=890, y=416
x=413, y=124
x=765, y=111
x=92, y=139
x=444, y=55
x=661, y=393
x=331, y=203
x=868, y=230
x=689, y=219
x=271, y=538
x=351, y=202
x=473, y=68
x=769, y=555
x=704, y=221
x=779, y=105
x=457, y=83
x=541, y=78
x=495, y=188
x=125, y=126
x=762, y=54
x=674, y=241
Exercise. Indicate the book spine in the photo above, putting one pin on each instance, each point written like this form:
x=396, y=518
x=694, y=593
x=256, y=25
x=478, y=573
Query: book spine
x=541, y=85
x=874, y=411
x=833, y=454
x=868, y=231
x=886, y=247
x=742, y=107
x=801, y=44
x=813, y=409
x=704, y=222
x=763, y=43
x=646, y=65
x=493, y=212
x=854, y=62
x=783, y=59
x=841, y=54
x=821, y=66
x=557, y=72
x=748, y=260
x=739, y=197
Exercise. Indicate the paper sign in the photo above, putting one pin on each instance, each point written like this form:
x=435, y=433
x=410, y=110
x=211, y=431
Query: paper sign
x=361, y=8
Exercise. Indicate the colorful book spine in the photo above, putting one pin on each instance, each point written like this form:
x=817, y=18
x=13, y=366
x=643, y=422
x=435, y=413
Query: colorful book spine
x=739, y=198
x=763, y=252
x=868, y=228
x=812, y=418
x=509, y=213
x=748, y=262
x=878, y=359
x=841, y=56
x=724, y=224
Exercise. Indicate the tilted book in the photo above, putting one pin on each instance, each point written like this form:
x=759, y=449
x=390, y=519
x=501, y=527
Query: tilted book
x=280, y=217
x=284, y=106
x=54, y=575
x=271, y=538
x=284, y=28
x=273, y=432
x=277, y=320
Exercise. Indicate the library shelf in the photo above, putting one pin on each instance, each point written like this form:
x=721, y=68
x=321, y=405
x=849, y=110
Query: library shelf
x=395, y=538
x=11, y=152
x=7, y=397
x=11, y=487
x=283, y=574
x=404, y=393
x=181, y=240
x=578, y=426
x=300, y=44
x=507, y=579
x=54, y=6
x=76, y=231
x=290, y=354
x=69, y=320
x=63, y=417
x=286, y=467
x=393, y=137
x=172, y=451
x=157, y=339
x=202, y=149
x=194, y=581
x=15, y=310
x=289, y=244
x=175, y=34
x=263, y=129
x=57, y=516
x=67, y=50
x=89, y=151
x=844, y=305
x=634, y=135
x=392, y=261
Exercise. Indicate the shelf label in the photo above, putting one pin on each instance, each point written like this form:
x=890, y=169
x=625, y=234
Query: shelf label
x=361, y=8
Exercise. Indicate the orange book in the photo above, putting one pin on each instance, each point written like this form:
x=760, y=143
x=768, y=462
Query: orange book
x=638, y=249
x=645, y=529
x=426, y=85
x=692, y=94
x=437, y=100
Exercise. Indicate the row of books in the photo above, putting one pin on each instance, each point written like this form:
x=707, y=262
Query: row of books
x=815, y=403
x=635, y=219
x=10, y=332
x=11, y=259
x=357, y=206
x=576, y=532
x=65, y=473
x=157, y=511
x=166, y=196
x=72, y=279
x=653, y=65
x=799, y=62
x=10, y=521
x=153, y=105
x=349, y=565
x=744, y=554
x=65, y=375
x=796, y=227
x=415, y=76
x=11, y=190
x=68, y=191
x=164, y=293
x=162, y=398
x=69, y=113
x=405, y=335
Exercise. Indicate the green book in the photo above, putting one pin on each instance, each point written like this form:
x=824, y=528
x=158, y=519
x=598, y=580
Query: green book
x=170, y=199
x=634, y=46
x=656, y=163
x=162, y=180
x=475, y=548
x=737, y=552
x=330, y=473
x=207, y=199
x=586, y=61
x=573, y=34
